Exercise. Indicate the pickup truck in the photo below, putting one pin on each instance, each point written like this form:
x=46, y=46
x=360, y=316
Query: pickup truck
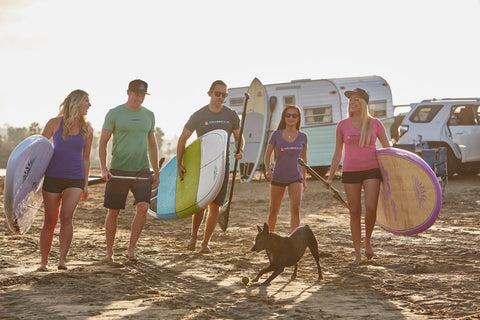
x=450, y=123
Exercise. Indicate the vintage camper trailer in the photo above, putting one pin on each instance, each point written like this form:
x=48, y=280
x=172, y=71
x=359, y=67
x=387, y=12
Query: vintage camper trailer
x=323, y=105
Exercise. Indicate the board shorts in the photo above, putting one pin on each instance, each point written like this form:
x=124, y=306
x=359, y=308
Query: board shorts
x=116, y=190
x=57, y=185
x=282, y=184
x=359, y=176
x=220, y=199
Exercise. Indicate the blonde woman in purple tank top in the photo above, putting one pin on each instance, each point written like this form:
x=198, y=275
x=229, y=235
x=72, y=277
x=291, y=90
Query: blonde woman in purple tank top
x=66, y=178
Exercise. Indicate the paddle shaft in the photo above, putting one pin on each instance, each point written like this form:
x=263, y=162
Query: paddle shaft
x=319, y=177
x=225, y=209
x=239, y=144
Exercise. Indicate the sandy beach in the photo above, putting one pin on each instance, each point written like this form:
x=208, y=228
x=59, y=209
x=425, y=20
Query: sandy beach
x=432, y=275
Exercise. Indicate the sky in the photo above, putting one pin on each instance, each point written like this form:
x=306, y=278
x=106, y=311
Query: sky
x=48, y=48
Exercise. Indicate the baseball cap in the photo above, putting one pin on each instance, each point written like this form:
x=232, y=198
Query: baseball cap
x=138, y=86
x=362, y=93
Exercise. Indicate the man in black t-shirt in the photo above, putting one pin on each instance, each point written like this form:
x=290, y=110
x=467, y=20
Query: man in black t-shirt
x=213, y=116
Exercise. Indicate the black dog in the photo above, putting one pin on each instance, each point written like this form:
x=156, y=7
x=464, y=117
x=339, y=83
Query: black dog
x=285, y=251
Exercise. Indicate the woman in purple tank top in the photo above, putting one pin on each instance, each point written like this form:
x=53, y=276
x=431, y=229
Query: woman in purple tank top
x=66, y=178
x=287, y=144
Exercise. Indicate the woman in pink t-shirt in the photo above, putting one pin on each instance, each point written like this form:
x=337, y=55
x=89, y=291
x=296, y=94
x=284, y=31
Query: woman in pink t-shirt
x=359, y=133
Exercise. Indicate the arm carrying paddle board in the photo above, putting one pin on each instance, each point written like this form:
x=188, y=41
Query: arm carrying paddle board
x=23, y=181
x=204, y=161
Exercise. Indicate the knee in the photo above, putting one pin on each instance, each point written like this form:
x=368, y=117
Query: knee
x=142, y=207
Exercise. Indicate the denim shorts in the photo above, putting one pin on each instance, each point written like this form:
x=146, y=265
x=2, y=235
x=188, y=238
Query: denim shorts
x=57, y=185
x=359, y=176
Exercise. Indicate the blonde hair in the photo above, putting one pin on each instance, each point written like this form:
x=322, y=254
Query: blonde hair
x=69, y=109
x=365, y=117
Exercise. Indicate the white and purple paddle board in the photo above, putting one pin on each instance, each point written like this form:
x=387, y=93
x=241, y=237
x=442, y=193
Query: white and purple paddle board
x=23, y=181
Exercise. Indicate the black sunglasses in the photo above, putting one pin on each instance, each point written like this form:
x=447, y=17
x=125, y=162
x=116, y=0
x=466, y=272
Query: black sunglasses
x=218, y=93
x=293, y=115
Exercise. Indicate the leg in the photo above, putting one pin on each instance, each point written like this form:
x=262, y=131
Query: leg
x=353, y=192
x=51, y=202
x=212, y=219
x=262, y=272
x=110, y=231
x=136, y=228
x=295, y=195
x=70, y=199
x=275, y=273
x=372, y=189
x=276, y=196
x=197, y=219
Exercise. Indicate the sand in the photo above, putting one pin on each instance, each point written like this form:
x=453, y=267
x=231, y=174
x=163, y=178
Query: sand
x=432, y=275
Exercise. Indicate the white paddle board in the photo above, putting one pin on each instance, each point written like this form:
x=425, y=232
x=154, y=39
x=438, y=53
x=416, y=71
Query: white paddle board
x=410, y=195
x=204, y=161
x=255, y=130
x=23, y=181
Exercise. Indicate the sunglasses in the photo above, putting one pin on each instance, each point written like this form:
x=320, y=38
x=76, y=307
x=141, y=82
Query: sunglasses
x=218, y=94
x=293, y=115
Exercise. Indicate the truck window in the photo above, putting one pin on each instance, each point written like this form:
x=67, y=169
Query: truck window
x=464, y=115
x=425, y=114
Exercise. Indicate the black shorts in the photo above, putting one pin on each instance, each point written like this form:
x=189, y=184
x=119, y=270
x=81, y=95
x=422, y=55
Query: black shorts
x=220, y=199
x=57, y=185
x=359, y=176
x=281, y=184
x=116, y=190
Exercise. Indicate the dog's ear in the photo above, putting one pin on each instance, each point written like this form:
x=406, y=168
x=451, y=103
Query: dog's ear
x=259, y=229
x=265, y=227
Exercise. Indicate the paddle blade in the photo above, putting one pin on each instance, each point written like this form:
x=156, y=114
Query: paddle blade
x=223, y=216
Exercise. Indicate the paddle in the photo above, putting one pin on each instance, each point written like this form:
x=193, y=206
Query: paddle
x=336, y=194
x=225, y=209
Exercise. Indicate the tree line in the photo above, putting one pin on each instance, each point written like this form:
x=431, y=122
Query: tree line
x=10, y=137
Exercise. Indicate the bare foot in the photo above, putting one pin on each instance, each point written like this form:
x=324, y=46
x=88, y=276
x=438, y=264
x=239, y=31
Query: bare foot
x=191, y=245
x=368, y=250
x=42, y=269
x=205, y=249
x=355, y=263
x=131, y=258
x=62, y=267
x=108, y=259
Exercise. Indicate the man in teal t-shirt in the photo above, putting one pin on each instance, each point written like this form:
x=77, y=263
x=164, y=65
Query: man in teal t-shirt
x=134, y=144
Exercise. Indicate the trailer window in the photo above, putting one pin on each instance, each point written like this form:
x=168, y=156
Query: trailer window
x=288, y=100
x=236, y=102
x=318, y=115
x=378, y=109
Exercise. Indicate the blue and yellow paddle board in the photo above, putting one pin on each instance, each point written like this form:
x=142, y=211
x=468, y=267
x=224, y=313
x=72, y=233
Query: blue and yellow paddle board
x=204, y=161
x=410, y=195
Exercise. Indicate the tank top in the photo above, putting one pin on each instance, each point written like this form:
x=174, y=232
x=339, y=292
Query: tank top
x=67, y=159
